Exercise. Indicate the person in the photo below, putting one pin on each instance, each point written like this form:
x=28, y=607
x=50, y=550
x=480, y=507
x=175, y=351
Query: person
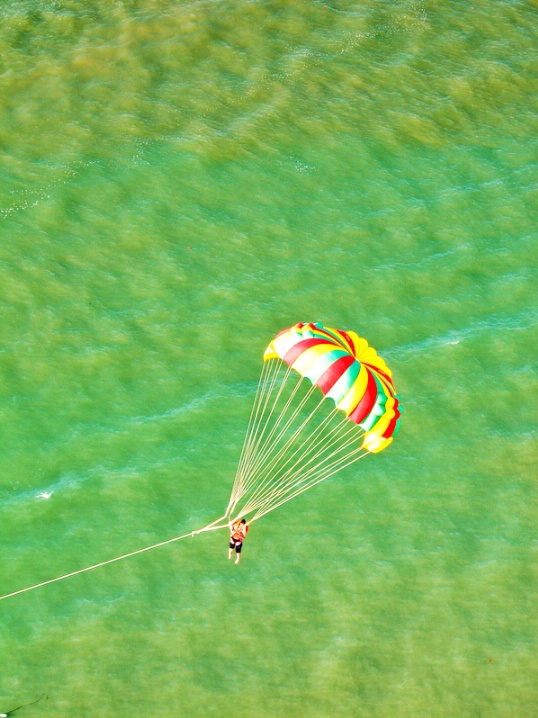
x=238, y=531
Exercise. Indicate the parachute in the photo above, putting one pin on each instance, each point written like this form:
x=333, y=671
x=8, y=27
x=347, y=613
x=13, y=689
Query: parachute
x=297, y=438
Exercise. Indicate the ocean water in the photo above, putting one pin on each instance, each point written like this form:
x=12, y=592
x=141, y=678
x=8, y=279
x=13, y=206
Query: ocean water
x=180, y=181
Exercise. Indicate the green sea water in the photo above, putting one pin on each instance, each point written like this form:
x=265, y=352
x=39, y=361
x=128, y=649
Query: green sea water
x=178, y=182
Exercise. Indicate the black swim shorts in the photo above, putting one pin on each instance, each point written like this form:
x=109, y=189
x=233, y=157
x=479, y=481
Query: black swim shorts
x=237, y=545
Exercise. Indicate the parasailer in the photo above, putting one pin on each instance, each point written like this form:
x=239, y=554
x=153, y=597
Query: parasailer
x=238, y=532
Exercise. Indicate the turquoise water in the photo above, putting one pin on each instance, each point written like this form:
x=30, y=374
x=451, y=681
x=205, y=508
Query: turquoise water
x=177, y=183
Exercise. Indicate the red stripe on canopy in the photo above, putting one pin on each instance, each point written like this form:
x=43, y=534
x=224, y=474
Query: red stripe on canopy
x=334, y=336
x=366, y=404
x=331, y=375
x=390, y=428
x=297, y=349
x=349, y=341
x=379, y=371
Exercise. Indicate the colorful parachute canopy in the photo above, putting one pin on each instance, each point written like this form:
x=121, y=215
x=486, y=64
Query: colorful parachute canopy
x=347, y=370
x=295, y=438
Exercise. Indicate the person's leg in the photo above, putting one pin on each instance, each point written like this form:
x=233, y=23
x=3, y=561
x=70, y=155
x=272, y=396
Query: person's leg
x=238, y=552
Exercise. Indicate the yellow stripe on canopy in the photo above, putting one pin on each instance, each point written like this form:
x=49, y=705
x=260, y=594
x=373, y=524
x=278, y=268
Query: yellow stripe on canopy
x=305, y=360
x=355, y=394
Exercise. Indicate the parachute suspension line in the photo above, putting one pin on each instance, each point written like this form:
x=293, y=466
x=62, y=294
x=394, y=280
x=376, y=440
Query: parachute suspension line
x=266, y=413
x=264, y=392
x=341, y=429
x=282, y=451
x=246, y=442
x=253, y=412
x=249, y=474
x=335, y=469
x=275, y=486
x=247, y=468
x=263, y=451
x=293, y=479
x=302, y=475
x=290, y=444
x=255, y=417
x=268, y=463
x=268, y=446
x=282, y=482
x=267, y=377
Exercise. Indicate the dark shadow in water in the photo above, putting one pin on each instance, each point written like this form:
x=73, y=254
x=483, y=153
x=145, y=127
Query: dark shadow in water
x=24, y=705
